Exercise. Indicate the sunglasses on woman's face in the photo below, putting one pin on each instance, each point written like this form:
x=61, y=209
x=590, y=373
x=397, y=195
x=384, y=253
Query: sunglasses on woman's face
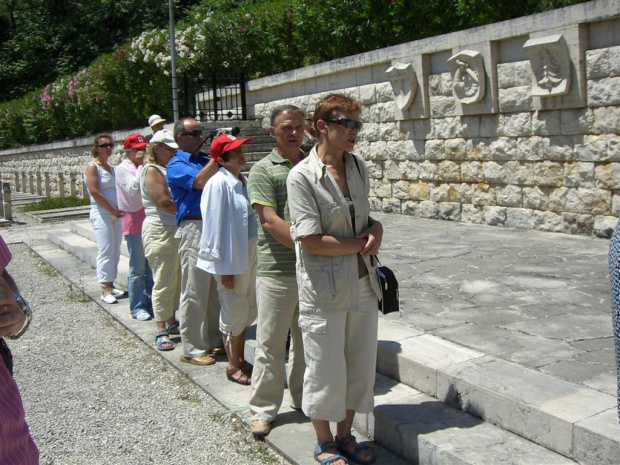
x=105, y=146
x=346, y=123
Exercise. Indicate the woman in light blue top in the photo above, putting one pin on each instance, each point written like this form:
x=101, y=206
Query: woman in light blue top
x=228, y=249
x=105, y=216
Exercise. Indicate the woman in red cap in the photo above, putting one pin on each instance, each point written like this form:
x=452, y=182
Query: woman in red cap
x=228, y=249
x=130, y=202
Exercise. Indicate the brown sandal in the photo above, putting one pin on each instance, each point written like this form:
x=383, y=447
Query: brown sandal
x=241, y=378
x=247, y=368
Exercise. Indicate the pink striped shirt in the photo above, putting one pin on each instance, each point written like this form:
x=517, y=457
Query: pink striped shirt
x=5, y=255
x=16, y=444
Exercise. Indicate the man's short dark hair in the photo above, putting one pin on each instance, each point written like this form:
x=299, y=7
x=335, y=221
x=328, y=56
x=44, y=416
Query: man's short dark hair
x=277, y=111
x=179, y=127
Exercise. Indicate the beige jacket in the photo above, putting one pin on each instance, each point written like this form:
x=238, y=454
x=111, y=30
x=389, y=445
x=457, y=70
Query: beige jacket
x=317, y=206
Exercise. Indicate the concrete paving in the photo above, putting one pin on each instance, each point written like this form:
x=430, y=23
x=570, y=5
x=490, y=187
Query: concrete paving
x=541, y=300
x=510, y=326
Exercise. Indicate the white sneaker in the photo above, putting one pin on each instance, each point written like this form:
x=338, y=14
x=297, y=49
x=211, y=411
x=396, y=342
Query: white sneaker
x=142, y=315
x=109, y=299
x=117, y=292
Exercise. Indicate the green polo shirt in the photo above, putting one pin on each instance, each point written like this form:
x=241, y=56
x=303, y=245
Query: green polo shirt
x=267, y=186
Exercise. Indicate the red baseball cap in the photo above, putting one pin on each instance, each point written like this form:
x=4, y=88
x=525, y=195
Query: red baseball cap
x=224, y=143
x=135, y=141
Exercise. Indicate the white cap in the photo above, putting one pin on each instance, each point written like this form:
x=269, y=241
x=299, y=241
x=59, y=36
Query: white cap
x=165, y=137
x=155, y=119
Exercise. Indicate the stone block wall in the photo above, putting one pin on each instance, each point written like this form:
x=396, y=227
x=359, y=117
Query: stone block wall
x=535, y=147
x=54, y=169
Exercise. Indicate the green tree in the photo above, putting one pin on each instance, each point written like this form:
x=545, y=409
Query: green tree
x=50, y=38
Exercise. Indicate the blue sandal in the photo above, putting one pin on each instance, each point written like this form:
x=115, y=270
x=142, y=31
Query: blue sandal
x=320, y=449
x=163, y=344
x=357, y=451
x=173, y=329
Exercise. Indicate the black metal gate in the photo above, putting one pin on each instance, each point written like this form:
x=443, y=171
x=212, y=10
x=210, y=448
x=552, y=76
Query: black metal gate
x=214, y=98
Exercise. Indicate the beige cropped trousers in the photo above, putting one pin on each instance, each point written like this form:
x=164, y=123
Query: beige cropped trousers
x=341, y=358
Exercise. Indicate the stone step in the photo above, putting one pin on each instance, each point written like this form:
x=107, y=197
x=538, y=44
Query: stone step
x=568, y=418
x=85, y=249
x=424, y=397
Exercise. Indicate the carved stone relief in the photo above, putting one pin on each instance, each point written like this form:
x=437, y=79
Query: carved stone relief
x=550, y=63
x=468, y=76
x=404, y=84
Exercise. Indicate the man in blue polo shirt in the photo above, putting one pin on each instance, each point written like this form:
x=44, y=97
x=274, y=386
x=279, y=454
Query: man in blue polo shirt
x=199, y=309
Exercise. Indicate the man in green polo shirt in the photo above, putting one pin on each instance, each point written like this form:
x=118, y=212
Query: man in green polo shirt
x=277, y=299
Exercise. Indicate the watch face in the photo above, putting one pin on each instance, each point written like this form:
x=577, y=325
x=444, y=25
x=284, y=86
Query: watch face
x=22, y=302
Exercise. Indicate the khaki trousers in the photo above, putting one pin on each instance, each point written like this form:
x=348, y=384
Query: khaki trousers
x=278, y=311
x=341, y=358
x=161, y=249
x=199, y=307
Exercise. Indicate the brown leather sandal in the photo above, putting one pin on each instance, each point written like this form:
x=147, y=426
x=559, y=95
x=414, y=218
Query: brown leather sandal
x=247, y=368
x=241, y=378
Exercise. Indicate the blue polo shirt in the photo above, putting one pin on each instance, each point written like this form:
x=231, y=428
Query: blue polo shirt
x=181, y=173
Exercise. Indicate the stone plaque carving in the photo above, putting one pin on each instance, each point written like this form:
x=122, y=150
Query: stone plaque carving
x=404, y=84
x=468, y=76
x=550, y=63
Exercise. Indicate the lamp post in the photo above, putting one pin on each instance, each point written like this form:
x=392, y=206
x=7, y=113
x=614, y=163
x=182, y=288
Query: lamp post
x=173, y=63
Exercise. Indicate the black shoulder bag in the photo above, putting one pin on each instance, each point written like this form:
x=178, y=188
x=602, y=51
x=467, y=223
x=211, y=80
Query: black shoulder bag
x=390, y=301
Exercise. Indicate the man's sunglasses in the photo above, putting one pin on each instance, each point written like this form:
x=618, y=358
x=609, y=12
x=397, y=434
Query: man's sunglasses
x=105, y=146
x=193, y=133
x=349, y=124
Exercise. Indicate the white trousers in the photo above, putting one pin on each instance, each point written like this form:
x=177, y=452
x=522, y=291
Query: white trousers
x=238, y=305
x=108, y=231
x=341, y=358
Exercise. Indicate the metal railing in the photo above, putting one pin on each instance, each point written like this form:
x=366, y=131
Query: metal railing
x=214, y=98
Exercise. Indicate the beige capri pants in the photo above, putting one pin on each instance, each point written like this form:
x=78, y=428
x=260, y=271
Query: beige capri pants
x=238, y=305
x=161, y=249
x=341, y=356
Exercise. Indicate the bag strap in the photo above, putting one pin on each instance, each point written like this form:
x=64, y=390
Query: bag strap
x=357, y=164
x=372, y=257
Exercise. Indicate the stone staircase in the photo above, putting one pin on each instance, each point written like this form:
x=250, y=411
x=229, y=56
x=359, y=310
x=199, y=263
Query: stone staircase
x=438, y=402
x=262, y=143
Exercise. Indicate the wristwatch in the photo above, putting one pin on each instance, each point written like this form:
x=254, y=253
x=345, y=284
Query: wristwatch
x=26, y=309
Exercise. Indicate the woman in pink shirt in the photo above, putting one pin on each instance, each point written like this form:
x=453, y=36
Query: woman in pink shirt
x=130, y=203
